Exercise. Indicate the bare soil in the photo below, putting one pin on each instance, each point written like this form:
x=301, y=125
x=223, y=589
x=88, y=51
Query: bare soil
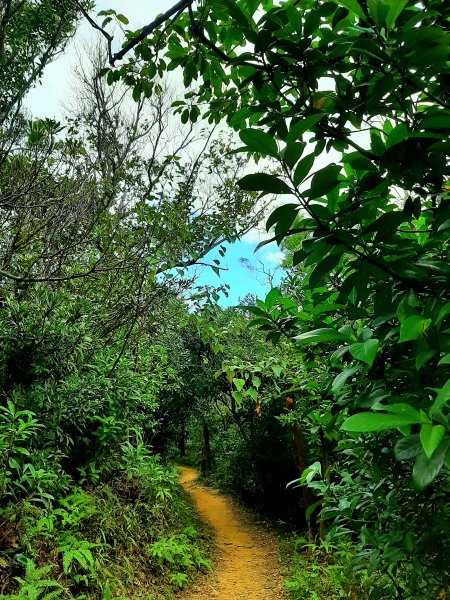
x=247, y=562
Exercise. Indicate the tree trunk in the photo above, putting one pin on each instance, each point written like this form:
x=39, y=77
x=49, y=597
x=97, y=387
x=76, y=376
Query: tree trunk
x=206, y=452
x=182, y=442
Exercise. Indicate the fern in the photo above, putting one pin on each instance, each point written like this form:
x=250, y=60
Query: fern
x=36, y=585
x=77, y=551
x=178, y=579
x=181, y=553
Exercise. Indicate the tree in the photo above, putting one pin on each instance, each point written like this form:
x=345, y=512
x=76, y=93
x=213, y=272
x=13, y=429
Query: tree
x=366, y=83
x=379, y=218
x=32, y=34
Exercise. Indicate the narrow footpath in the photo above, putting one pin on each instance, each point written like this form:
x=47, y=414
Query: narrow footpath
x=247, y=564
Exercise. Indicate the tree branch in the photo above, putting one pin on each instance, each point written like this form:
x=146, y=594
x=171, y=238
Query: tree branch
x=148, y=29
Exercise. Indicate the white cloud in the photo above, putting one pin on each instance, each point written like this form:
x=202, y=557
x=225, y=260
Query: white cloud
x=256, y=235
x=276, y=257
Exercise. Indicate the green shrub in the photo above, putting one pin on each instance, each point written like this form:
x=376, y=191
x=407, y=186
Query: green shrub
x=319, y=571
x=180, y=554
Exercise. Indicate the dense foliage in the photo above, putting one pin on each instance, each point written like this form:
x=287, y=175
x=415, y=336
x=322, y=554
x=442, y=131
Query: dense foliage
x=326, y=402
x=360, y=89
x=102, y=216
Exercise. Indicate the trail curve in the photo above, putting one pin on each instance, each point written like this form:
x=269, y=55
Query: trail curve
x=247, y=564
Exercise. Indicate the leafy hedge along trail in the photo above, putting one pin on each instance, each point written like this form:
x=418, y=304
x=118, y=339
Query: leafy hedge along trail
x=247, y=563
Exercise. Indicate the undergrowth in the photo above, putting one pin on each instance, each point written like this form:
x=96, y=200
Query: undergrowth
x=318, y=571
x=133, y=536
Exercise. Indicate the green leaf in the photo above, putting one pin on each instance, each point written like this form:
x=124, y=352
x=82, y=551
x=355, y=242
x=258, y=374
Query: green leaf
x=367, y=422
x=324, y=181
x=277, y=370
x=445, y=360
x=262, y=182
x=272, y=298
x=122, y=19
x=378, y=10
x=259, y=141
x=252, y=5
x=397, y=135
x=413, y=327
x=404, y=410
x=302, y=126
x=340, y=380
x=283, y=216
x=431, y=436
x=256, y=381
x=426, y=469
x=353, y=6
x=365, y=351
x=322, y=335
x=237, y=396
x=442, y=398
x=395, y=8
x=323, y=268
x=238, y=383
x=387, y=223
x=436, y=122
x=408, y=447
x=444, y=311
x=292, y=152
x=303, y=168
x=237, y=13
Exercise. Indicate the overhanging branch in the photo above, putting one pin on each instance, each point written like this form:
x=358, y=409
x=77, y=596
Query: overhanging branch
x=148, y=29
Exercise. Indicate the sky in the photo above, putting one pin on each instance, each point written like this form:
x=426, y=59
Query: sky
x=48, y=100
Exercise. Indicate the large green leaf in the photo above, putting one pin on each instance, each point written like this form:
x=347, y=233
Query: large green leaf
x=353, y=6
x=237, y=13
x=323, y=268
x=262, y=182
x=365, y=351
x=292, y=152
x=303, y=168
x=322, y=335
x=259, y=141
x=238, y=383
x=367, y=422
x=442, y=398
x=272, y=297
x=340, y=380
x=395, y=8
x=426, y=469
x=324, y=181
x=284, y=215
x=431, y=436
x=301, y=126
x=408, y=447
x=413, y=327
x=397, y=135
x=404, y=410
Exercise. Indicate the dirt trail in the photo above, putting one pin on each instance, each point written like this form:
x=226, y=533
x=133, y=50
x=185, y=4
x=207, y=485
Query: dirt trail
x=247, y=559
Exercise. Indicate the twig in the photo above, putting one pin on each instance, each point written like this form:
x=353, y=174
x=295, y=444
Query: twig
x=95, y=25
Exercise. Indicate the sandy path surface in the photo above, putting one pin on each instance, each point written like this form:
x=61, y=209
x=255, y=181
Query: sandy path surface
x=246, y=565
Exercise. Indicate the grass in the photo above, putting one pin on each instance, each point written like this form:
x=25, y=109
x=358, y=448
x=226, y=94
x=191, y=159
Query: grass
x=318, y=571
